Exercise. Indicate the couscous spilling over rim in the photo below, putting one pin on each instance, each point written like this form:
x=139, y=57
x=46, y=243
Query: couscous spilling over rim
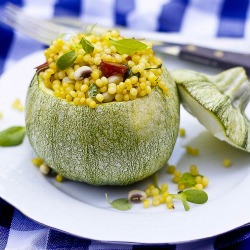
x=89, y=69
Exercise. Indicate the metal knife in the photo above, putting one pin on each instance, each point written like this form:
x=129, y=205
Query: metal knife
x=205, y=56
x=193, y=53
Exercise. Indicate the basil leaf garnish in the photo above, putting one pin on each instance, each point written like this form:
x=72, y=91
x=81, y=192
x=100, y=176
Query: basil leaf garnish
x=130, y=73
x=157, y=67
x=86, y=45
x=188, y=180
x=92, y=92
x=191, y=195
x=128, y=45
x=66, y=60
x=196, y=196
x=12, y=136
x=182, y=197
x=120, y=204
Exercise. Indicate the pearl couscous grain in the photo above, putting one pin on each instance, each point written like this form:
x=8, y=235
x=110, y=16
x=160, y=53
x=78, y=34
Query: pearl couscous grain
x=115, y=76
x=227, y=163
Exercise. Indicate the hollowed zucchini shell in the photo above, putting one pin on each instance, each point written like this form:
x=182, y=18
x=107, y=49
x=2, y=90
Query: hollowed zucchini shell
x=116, y=143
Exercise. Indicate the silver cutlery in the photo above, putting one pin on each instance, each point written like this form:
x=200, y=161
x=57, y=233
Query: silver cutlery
x=46, y=31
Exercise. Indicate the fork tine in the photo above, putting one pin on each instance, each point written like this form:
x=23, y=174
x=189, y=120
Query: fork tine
x=39, y=29
x=17, y=14
x=31, y=30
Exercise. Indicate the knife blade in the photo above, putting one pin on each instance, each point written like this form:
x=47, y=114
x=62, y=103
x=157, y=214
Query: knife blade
x=204, y=55
x=189, y=52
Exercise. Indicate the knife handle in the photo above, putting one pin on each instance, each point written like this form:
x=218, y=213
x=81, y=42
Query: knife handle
x=214, y=58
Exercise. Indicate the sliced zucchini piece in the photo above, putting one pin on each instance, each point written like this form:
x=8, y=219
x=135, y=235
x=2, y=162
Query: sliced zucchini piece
x=218, y=102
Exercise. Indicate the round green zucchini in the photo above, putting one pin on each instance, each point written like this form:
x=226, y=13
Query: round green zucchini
x=218, y=102
x=116, y=143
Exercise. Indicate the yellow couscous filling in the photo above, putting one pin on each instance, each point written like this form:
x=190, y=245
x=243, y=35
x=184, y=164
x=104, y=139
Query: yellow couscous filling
x=109, y=74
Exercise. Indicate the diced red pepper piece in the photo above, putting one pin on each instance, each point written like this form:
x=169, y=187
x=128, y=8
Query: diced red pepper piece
x=109, y=68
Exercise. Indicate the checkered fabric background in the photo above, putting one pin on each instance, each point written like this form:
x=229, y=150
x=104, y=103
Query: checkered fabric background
x=202, y=18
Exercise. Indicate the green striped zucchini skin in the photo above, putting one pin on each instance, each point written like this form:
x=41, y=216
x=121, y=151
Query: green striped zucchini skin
x=116, y=143
x=218, y=102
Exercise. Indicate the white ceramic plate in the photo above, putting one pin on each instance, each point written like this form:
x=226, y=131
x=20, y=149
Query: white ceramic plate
x=82, y=210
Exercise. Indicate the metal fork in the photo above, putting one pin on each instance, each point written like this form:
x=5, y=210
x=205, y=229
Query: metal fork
x=39, y=29
x=46, y=31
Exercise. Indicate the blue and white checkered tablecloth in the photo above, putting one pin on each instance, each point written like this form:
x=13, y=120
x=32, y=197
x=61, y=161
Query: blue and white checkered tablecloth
x=199, y=18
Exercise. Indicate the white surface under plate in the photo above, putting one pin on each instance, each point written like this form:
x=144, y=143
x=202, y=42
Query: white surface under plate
x=82, y=210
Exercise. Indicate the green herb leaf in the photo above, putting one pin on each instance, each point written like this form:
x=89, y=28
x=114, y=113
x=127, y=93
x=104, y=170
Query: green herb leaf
x=92, y=92
x=191, y=195
x=66, y=60
x=188, y=180
x=87, y=46
x=130, y=73
x=182, y=197
x=120, y=204
x=158, y=67
x=12, y=136
x=196, y=196
x=155, y=181
x=128, y=46
x=185, y=204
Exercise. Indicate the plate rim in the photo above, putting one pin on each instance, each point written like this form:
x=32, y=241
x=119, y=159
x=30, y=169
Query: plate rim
x=116, y=214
